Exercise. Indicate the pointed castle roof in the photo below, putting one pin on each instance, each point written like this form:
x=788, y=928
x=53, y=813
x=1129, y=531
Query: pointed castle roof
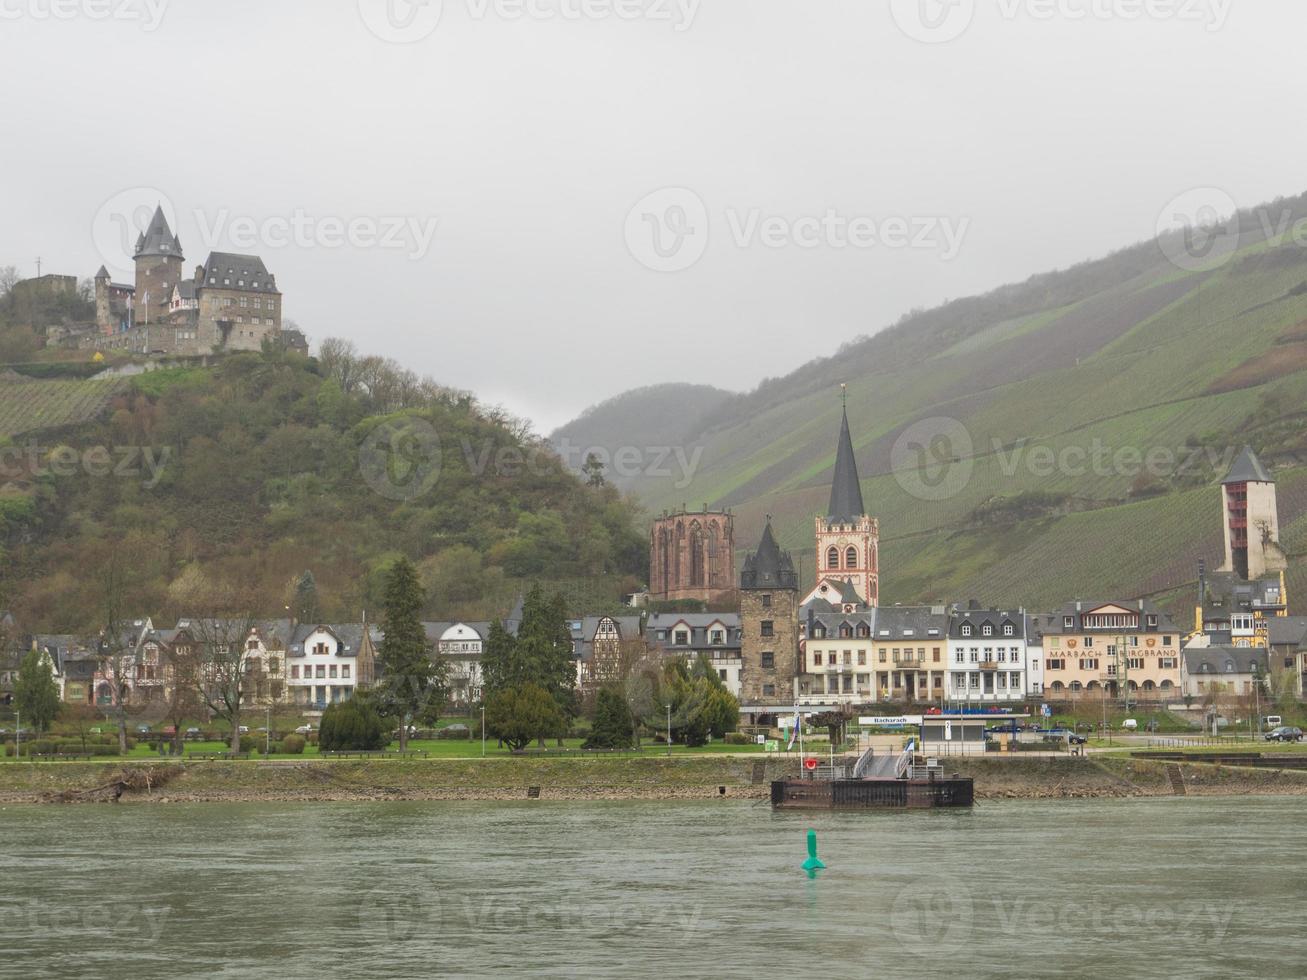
x=845, y=491
x=158, y=238
x=769, y=567
x=1248, y=469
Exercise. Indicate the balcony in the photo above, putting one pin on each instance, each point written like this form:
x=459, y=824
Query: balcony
x=912, y=661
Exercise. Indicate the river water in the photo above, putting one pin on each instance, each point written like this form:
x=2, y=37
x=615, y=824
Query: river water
x=1115, y=888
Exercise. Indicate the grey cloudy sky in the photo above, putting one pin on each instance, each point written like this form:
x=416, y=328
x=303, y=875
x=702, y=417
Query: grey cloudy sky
x=633, y=191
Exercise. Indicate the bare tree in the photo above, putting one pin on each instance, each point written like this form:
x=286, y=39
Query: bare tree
x=183, y=687
x=9, y=278
x=115, y=647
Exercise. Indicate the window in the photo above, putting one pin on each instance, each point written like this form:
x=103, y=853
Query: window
x=851, y=558
x=769, y=690
x=1088, y=663
x=1056, y=663
x=987, y=630
x=1014, y=679
x=1135, y=663
x=832, y=557
x=322, y=671
x=295, y=672
x=682, y=638
x=766, y=600
x=1009, y=629
x=862, y=658
x=344, y=671
x=767, y=628
x=1166, y=641
x=935, y=655
x=768, y=660
x=966, y=629
x=848, y=658
x=331, y=671
x=816, y=659
x=830, y=658
x=717, y=638
x=881, y=654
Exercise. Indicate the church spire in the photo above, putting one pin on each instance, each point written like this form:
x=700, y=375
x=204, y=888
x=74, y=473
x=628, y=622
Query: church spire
x=846, y=491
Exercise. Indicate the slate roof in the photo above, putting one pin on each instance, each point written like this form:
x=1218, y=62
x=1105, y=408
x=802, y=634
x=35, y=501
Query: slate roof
x=248, y=269
x=977, y=618
x=158, y=238
x=1207, y=661
x=911, y=623
x=583, y=632
x=845, y=490
x=1287, y=630
x=1248, y=469
x=698, y=625
x=350, y=636
x=1054, y=624
x=1227, y=593
x=830, y=622
x=769, y=567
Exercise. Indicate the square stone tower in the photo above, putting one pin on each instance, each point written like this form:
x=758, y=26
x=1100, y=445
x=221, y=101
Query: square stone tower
x=1251, y=520
x=769, y=622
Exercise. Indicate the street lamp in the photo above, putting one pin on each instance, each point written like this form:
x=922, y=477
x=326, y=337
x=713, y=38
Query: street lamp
x=483, y=731
x=669, y=729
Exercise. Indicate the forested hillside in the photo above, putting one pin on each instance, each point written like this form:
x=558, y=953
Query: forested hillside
x=259, y=467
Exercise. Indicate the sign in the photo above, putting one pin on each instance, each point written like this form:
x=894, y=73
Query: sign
x=948, y=731
x=1046, y=711
x=771, y=745
x=810, y=764
x=889, y=721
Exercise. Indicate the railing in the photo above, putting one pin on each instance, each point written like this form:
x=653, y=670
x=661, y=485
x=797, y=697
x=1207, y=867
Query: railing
x=904, y=762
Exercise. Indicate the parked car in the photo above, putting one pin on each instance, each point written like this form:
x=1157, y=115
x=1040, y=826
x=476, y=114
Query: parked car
x=193, y=733
x=304, y=730
x=1285, y=733
x=1075, y=739
x=143, y=730
x=242, y=729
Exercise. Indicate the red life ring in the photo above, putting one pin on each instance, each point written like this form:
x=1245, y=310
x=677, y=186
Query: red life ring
x=810, y=764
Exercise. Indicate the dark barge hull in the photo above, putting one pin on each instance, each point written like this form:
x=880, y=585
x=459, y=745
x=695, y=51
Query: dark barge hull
x=866, y=794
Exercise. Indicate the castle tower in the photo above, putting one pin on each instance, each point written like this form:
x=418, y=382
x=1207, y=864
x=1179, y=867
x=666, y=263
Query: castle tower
x=692, y=556
x=159, y=262
x=848, y=541
x=103, y=317
x=769, y=623
x=1252, y=523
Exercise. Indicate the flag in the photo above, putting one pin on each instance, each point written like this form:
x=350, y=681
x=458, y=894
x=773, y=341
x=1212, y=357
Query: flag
x=794, y=732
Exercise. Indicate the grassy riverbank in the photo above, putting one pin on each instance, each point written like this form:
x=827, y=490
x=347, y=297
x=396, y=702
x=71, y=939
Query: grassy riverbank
x=704, y=777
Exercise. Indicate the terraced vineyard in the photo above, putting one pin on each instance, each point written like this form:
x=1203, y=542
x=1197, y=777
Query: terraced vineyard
x=1061, y=386
x=31, y=406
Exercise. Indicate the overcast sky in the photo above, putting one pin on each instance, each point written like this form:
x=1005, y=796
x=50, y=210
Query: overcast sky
x=634, y=191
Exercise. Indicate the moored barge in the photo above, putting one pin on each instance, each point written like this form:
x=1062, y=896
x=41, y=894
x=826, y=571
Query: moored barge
x=874, y=782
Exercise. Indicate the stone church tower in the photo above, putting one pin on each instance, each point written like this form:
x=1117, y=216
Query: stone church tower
x=692, y=556
x=159, y=262
x=848, y=541
x=769, y=625
x=1251, y=520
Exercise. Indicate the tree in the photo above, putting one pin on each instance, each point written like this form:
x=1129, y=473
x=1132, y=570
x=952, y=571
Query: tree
x=413, y=682
x=519, y=714
x=36, y=695
x=115, y=647
x=306, y=598
x=183, y=690
x=544, y=646
x=613, y=725
x=593, y=471
x=354, y=725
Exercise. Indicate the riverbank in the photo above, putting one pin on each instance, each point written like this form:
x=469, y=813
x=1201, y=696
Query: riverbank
x=595, y=779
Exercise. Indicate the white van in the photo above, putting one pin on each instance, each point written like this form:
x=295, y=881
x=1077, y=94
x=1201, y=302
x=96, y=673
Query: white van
x=1130, y=725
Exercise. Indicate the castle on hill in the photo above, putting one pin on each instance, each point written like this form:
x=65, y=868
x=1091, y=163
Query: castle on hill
x=231, y=302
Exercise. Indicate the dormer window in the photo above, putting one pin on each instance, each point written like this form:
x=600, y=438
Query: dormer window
x=966, y=629
x=987, y=630
x=1009, y=629
x=1068, y=622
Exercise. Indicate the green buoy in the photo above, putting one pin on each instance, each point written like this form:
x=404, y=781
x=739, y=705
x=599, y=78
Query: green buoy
x=813, y=863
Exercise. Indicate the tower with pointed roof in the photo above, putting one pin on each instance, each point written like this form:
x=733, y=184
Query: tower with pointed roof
x=1251, y=519
x=848, y=540
x=769, y=626
x=159, y=262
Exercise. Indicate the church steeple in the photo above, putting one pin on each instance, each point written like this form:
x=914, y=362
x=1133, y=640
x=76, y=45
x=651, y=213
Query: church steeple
x=846, y=490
